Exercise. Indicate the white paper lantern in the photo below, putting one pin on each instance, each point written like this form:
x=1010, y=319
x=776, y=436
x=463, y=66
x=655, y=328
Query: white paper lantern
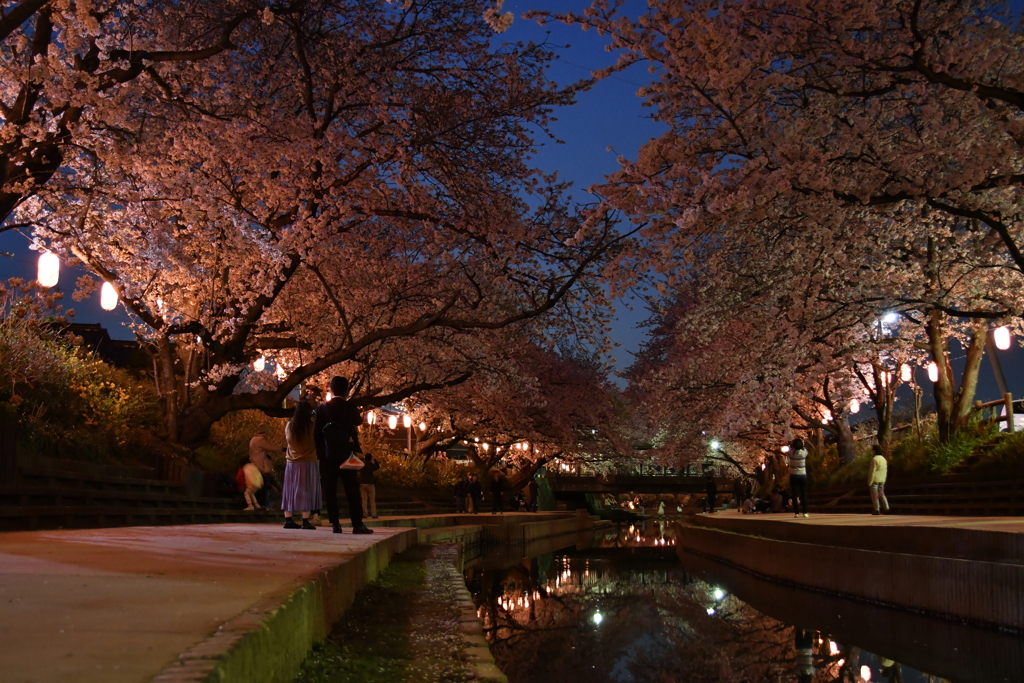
x=371, y=418
x=906, y=373
x=49, y=269
x=259, y=364
x=329, y=396
x=854, y=406
x=1002, y=338
x=108, y=297
x=406, y=421
x=392, y=421
x=933, y=372
x=423, y=426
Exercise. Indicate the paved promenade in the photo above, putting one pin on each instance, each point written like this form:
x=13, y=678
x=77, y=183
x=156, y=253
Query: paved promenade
x=112, y=605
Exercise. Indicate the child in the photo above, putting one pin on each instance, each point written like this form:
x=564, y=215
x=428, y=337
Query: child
x=250, y=480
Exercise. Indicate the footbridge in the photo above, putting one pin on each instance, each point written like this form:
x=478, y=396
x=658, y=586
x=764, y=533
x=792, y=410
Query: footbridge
x=634, y=483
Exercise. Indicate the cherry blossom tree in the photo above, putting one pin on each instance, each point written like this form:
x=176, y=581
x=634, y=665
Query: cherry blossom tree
x=351, y=177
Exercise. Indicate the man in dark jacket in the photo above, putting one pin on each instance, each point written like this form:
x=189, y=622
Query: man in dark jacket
x=711, y=488
x=344, y=420
x=475, y=491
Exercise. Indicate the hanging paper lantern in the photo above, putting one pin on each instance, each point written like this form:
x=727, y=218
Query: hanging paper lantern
x=933, y=372
x=259, y=364
x=406, y=421
x=423, y=426
x=108, y=297
x=49, y=269
x=371, y=418
x=329, y=396
x=854, y=406
x=392, y=421
x=906, y=373
x=1002, y=337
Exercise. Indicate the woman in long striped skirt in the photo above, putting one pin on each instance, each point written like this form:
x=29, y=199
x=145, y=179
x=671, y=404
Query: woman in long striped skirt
x=302, y=471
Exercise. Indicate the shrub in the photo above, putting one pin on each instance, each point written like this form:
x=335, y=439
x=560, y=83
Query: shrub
x=401, y=471
x=69, y=405
x=1006, y=454
x=229, y=439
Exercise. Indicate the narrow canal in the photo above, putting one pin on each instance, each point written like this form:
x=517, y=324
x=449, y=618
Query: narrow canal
x=624, y=606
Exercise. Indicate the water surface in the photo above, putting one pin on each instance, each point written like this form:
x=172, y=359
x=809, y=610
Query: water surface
x=624, y=606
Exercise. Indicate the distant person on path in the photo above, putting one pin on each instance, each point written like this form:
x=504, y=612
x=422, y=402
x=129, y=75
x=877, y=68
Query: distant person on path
x=368, y=486
x=497, y=484
x=796, y=459
x=476, y=493
x=876, y=480
x=461, y=491
x=250, y=480
x=302, y=491
x=260, y=448
x=336, y=433
x=711, y=488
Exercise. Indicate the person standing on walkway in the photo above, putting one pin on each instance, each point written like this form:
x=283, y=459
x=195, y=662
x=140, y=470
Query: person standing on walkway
x=497, y=484
x=876, y=480
x=461, y=491
x=302, y=491
x=711, y=488
x=367, y=485
x=476, y=493
x=336, y=434
x=260, y=448
x=796, y=459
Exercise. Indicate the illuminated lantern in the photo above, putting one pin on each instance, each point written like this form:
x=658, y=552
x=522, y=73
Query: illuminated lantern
x=406, y=421
x=281, y=372
x=486, y=447
x=854, y=406
x=371, y=418
x=826, y=416
x=1000, y=334
x=933, y=372
x=108, y=297
x=906, y=373
x=329, y=396
x=785, y=449
x=865, y=673
x=259, y=364
x=423, y=426
x=392, y=421
x=49, y=269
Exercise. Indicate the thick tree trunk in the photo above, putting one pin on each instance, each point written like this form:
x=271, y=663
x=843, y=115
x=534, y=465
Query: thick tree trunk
x=844, y=439
x=169, y=385
x=953, y=407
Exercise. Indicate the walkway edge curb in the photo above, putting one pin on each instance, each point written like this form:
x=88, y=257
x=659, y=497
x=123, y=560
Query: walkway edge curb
x=268, y=642
x=477, y=652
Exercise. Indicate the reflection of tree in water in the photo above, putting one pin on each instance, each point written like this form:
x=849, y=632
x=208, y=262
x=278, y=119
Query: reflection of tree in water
x=656, y=624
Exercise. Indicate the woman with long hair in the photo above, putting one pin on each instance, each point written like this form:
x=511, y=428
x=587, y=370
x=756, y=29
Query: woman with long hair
x=302, y=470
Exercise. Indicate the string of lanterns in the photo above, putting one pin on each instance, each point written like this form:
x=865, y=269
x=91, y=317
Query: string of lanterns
x=48, y=275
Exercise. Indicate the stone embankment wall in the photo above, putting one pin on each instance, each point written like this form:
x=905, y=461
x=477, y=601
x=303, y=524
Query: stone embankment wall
x=943, y=581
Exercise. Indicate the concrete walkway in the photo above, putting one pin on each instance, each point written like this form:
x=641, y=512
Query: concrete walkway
x=113, y=605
